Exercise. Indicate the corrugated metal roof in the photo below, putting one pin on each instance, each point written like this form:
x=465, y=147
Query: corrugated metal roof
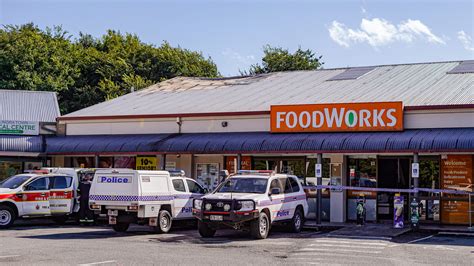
x=21, y=105
x=21, y=143
x=413, y=140
x=414, y=84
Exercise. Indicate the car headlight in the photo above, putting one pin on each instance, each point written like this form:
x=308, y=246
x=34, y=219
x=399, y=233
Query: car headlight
x=197, y=204
x=245, y=205
x=226, y=207
x=208, y=206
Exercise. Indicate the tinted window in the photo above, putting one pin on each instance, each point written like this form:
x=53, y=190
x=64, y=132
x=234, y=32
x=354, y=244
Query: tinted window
x=14, y=181
x=60, y=182
x=244, y=185
x=38, y=184
x=294, y=184
x=178, y=185
x=276, y=184
x=287, y=187
x=194, y=187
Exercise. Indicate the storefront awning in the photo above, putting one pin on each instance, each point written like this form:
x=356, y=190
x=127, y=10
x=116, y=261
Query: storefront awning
x=414, y=140
x=12, y=143
x=96, y=144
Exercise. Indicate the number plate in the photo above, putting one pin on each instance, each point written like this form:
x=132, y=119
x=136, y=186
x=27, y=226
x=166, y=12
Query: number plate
x=216, y=218
x=112, y=212
x=112, y=220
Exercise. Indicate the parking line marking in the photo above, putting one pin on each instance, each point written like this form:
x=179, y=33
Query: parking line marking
x=421, y=239
x=98, y=263
x=9, y=256
x=341, y=250
x=343, y=246
x=351, y=242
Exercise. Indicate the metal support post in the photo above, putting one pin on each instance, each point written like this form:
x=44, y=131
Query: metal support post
x=471, y=211
x=319, y=175
x=96, y=161
x=415, y=205
x=163, y=162
x=239, y=162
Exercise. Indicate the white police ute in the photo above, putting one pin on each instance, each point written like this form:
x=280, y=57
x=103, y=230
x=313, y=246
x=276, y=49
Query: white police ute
x=153, y=198
x=252, y=200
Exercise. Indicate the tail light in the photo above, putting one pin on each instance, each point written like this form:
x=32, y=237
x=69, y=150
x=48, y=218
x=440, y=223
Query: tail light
x=132, y=208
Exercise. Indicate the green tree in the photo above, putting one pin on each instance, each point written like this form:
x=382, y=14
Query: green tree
x=278, y=59
x=89, y=70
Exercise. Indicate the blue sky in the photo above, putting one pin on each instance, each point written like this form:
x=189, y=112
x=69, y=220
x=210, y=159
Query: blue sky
x=345, y=33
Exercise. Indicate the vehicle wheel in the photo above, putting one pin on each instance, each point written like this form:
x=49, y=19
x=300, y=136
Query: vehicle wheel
x=260, y=227
x=297, y=222
x=164, y=222
x=205, y=230
x=60, y=220
x=7, y=217
x=120, y=227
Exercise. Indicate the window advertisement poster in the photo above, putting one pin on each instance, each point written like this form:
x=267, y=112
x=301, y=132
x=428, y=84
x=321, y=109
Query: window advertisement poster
x=125, y=162
x=456, y=173
x=146, y=163
x=398, y=216
x=8, y=127
x=231, y=163
x=207, y=175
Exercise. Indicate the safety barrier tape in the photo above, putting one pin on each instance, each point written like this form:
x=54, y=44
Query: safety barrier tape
x=412, y=190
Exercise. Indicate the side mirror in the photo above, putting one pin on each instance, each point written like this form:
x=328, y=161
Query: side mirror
x=275, y=191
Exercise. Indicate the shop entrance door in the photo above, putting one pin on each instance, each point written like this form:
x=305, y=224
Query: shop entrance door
x=392, y=173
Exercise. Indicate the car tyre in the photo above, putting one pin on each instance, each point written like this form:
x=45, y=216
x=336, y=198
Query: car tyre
x=120, y=227
x=205, y=230
x=260, y=227
x=7, y=217
x=296, y=223
x=164, y=222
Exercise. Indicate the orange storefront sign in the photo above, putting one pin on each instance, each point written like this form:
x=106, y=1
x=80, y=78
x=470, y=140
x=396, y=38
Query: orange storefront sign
x=381, y=116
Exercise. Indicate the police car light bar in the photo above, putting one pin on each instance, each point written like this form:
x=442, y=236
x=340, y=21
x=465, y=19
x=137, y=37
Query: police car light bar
x=267, y=172
x=177, y=173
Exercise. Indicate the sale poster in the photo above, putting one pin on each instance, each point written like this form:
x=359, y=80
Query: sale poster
x=398, y=217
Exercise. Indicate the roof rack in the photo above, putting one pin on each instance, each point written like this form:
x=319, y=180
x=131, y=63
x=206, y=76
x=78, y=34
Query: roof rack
x=256, y=172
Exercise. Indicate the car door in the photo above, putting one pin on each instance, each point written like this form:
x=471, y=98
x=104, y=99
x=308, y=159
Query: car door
x=36, y=197
x=61, y=195
x=276, y=201
x=181, y=196
x=288, y=205
x=295, y=197
x=196, y=192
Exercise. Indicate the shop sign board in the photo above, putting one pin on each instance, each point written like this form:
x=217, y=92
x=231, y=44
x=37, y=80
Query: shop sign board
x=337, y=117
x=456, y=173
x=8, y=127
x=146, y=163
x=231, y=163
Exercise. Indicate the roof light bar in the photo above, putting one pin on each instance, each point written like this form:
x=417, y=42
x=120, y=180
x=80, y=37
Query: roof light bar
x=177, y=173
x=267, y=172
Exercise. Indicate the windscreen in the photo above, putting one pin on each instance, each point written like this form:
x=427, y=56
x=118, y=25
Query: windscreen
x=244, y=185
x=14, y=181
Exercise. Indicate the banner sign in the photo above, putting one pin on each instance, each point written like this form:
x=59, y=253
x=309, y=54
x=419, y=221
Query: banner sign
x=398, y=217
x=380, y=116
x=146, y=163
x=8, y=127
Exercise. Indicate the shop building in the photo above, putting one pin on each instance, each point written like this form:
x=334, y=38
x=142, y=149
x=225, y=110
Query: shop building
x=367, y=125
x=26, y=117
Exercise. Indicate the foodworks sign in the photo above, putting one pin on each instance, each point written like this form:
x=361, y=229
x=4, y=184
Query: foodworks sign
x=19, y=127
x=382, y=116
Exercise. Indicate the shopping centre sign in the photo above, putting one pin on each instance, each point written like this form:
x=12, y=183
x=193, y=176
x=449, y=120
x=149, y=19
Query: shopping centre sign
x=380, y=116
x=8, y=127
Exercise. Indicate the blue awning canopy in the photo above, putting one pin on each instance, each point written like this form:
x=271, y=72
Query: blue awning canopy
x=104, y=143
x=13, y=143
x=413, y=140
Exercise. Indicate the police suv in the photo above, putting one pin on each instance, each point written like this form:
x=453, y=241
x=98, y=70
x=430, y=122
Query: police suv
x=252, y=200
x=50, y=192
x=153, y=198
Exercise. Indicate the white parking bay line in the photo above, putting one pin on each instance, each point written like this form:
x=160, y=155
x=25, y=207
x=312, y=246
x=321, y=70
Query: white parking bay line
x=343, y=246
x=9, y=256
x=420, y=239
x=340, y=250
x=350, y=242
x=98, y=263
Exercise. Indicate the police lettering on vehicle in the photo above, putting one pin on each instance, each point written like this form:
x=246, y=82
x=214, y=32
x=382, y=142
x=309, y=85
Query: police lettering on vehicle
x=114, y=179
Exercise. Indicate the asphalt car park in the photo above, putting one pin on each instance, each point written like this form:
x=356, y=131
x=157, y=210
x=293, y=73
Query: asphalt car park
x=44, y=243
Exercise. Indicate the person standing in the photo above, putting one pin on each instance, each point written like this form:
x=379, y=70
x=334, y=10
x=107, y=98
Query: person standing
x=85, y=214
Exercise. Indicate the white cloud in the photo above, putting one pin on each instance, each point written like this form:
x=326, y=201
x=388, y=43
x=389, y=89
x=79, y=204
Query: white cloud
x=466, y=40
x=379, y=32
x=243, y=59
